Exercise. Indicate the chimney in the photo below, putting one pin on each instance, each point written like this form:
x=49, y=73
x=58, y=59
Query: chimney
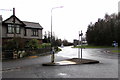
x=14, y=11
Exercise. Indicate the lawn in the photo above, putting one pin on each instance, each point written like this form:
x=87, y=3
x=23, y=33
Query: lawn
x=116, y=51
x=91, y=46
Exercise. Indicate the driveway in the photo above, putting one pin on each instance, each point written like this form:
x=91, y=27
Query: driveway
x=32, y=67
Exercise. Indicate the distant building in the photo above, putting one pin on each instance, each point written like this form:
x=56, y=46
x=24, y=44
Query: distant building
x=23, y=29
x=75, y=42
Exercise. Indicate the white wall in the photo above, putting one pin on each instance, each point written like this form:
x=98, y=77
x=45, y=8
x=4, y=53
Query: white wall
x=4, y=31
x=119, y=6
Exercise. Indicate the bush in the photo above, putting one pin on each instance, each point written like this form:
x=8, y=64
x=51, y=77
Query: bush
x=44, y=45
x=33, y=44
x=9, y=45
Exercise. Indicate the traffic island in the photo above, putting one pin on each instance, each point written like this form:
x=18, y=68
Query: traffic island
x=73, y=61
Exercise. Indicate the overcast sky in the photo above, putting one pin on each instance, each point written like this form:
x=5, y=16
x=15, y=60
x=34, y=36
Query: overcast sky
x=67, y=21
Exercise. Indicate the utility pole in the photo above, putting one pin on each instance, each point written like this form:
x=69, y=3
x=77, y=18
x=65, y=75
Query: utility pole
x=14, y=22
x=14, y=25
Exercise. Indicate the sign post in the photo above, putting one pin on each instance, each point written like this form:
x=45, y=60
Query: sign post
x=80, y=43
x=78, y=47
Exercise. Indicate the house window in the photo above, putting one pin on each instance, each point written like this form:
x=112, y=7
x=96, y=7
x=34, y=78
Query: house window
x=35, y=32
x=11, y=28
x=17, y=29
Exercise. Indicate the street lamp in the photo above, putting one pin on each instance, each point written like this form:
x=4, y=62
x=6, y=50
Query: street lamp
x=52, y=47
x=13, y=17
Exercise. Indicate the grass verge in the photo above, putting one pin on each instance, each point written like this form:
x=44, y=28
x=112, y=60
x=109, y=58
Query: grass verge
x=91, y=46
x=116, y=51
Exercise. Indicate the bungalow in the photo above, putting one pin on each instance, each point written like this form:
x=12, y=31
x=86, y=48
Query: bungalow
x=14, y=27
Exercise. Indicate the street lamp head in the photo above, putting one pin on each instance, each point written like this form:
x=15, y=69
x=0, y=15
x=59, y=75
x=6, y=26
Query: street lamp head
x=61, y=6
x=6, y=9
x=57, y=7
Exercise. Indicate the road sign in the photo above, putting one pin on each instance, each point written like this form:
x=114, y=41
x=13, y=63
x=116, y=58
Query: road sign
x=81, y=34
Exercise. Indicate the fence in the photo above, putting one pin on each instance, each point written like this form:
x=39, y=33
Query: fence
x=9, y=54
x=37, y=51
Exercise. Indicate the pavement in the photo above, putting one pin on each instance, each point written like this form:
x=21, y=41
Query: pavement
x=32, y=67
x=73, y=61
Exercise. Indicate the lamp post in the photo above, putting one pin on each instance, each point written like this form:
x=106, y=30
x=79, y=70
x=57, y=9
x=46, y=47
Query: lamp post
x=13, y=17
x=52, y=47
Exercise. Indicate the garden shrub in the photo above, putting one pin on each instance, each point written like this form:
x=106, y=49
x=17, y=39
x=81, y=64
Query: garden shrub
x=33, y=44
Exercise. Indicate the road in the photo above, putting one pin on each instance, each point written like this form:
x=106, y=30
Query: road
x=32, y=67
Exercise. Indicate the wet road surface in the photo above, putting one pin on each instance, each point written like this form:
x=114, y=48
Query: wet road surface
x=32, y=67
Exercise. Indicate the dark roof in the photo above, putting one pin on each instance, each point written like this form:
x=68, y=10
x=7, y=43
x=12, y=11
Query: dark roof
x=25, y=23
x=32, y=25
x=15, y=18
